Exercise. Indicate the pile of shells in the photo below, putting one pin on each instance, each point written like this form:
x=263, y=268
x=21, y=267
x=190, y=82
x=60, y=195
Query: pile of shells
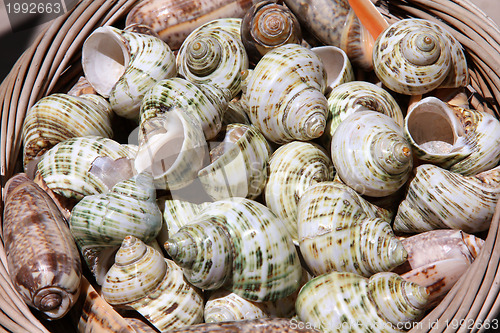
x=263, y=179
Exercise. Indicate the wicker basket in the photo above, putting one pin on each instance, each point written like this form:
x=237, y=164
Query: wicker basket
x=52, y=63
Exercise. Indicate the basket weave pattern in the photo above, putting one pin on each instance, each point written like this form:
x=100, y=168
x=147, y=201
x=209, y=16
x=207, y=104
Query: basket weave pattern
x=52, y=63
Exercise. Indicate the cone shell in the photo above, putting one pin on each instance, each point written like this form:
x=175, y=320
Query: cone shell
x=42, y=258
x=58, y=117
x=337, y=302
x=370, y=153
x=123, y=66
x=172, y=148
x=440, y=199
x=239, y=164
x=462, y=140
x=416, y=56
x=67, y=168
x=336, y=232
x=154, y=286
x=267, y=25
x=174, y=21
x=214, y=54
x=264, y=265
x=205, y=102
x=101, y=222
x=293, y=168
x=284, y=94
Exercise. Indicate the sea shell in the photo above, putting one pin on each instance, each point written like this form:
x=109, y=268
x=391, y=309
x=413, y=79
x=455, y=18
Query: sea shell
x=441, y=199
x=241, y=245
x=354, y=96
x=337, y=66
x=174, y=21
x=42, y=258
x=214, y=54
x=462, y=140
x=123, y=66
x=236, y=113
x=58, y=117
x=337, y=229
x=238, y=165
x=293, y=168
x=99, y=223
x=73, y=168
x=172, y=147
x=370, y=153
x=267, y=25
x=415, y=56
x=438, y=258
x=81, y=87
x=340, y=302
x=204, y=101
x=284, y=94
x=144, y=280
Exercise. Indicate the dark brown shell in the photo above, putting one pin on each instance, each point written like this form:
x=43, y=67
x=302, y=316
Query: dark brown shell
x=43, y=260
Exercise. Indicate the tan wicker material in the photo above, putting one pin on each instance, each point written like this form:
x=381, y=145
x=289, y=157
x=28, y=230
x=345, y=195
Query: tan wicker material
x=52, y=63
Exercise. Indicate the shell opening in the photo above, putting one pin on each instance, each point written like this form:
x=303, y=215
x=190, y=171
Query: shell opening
x=203, y=56
x=335, y=63
x=104, y=59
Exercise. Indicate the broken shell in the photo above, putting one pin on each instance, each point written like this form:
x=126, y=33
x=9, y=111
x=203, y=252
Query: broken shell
x=42, y=257
x=123, y=66
x=284, y=94
x=370, y=153
x=240, y=244
x=415, y=56
x=336, y=228
x=293, y=168
x=214, y=54
x=337, y=302
x=141, y=278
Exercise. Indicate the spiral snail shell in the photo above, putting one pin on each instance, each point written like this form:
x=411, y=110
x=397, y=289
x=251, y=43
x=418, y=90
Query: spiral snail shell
x=415, y=56
x=267, y=25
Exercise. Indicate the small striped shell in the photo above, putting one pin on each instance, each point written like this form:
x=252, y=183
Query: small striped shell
x=415, y=56
x=284, y=94
x=123, y=66
x=354, y=96
x=370, y=153
x=205, y=102
x=67, y=168
x=338, y=302
x=144, y=280
x=214, y=54
x=43, y=261
x=336, y=228
x=441, y=199
x=99, y=223
x=243, y=238
x=462, y=140
x=172, y=147
x=293, y=168
x=238, y=165
x=58, y=117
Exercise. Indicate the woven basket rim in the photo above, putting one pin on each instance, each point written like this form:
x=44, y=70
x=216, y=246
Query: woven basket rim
x=53, y=60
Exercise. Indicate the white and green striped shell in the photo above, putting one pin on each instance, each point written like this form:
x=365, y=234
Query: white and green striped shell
x=58, y=117
x=416, y=56
x=462, y=140
x=370, y=153
x=142, y=279
x=293, y=168
x=347, y=302
x=123, y=65
x=99, y=223
x=214, y=54
x=441, y=199
x=284, y=94
x=238, y=165
x=337, y=229
x=241, y=245
x=74, y=168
